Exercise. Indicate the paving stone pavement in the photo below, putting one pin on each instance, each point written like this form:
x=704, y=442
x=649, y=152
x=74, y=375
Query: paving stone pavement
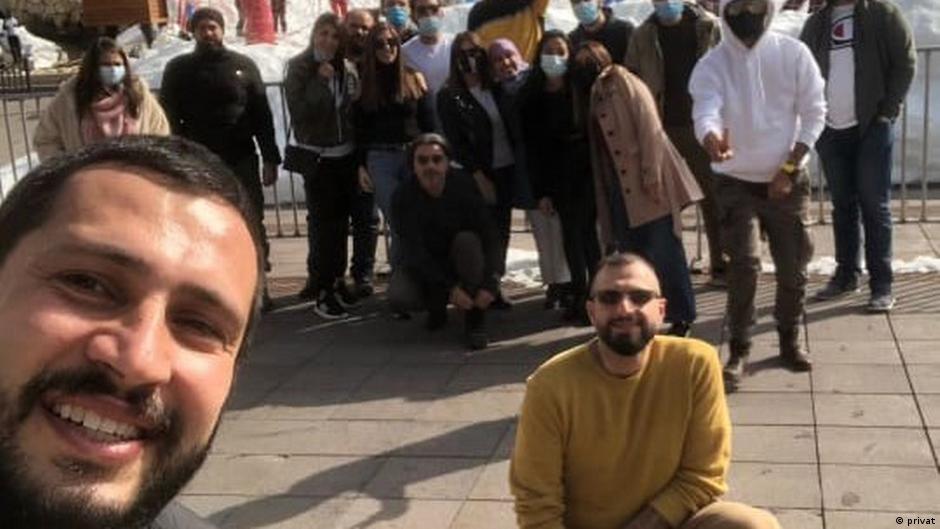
x=373, y=422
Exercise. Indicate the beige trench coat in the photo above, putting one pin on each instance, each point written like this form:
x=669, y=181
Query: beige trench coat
x=628, y=142
x=59, y=128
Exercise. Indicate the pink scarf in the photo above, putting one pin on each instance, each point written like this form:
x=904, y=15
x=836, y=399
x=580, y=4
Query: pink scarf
x=108, y=118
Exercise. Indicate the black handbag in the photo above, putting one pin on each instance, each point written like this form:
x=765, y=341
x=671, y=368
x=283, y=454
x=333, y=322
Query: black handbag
x=300, y=159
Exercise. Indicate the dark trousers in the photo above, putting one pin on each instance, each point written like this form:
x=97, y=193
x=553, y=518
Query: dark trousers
x=365, y=233
x=578, y=216
x=329, y=190
x=858, y=172
x=502, y=212
x=247, y=172
x=697, y=159
x=746, y=208
x=409, y=291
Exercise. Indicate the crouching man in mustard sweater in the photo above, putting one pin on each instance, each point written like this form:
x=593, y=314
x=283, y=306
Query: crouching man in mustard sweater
x=631, y=430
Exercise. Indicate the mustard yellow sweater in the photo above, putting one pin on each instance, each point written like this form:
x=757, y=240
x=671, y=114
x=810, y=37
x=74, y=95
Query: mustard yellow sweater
x=592, y=450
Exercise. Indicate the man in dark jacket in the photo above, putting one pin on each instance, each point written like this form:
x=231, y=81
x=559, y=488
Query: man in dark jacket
x=449, y=246
x=598, y=23
x=215, y=96
x=866, y=52
x=129, y=280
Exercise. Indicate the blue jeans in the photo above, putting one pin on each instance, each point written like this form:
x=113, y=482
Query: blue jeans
x=657, y=242
x=388, y=171
x=858, y=172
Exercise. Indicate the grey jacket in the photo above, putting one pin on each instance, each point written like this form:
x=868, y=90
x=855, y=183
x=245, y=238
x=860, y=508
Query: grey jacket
x=885, y=57
x=315, y=117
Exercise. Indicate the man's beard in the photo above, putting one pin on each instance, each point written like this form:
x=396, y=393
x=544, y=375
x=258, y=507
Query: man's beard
x=28, y=504
x=209, y=48
x=627, y=344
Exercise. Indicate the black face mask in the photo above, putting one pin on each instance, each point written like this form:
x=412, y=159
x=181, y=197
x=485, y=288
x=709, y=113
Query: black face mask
x=584, y=75
x=471, y=61
x=747, y=26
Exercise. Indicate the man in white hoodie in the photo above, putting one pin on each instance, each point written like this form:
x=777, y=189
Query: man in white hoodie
x=759, y=104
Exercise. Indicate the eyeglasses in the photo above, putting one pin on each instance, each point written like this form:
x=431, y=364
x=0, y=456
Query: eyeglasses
x=754, y=7
x=434, y=158
x=427, y=10
x=638, y=297
x=386, y=43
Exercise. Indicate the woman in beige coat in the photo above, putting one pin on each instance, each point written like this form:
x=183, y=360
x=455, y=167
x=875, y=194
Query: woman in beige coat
x=103, y=100
x=641, y=181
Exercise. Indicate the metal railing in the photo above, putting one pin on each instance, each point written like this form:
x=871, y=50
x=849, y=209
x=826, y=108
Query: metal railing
x=20, y=112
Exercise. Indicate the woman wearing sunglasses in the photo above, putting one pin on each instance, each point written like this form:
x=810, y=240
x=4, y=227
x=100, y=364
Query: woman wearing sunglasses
x=393, y=109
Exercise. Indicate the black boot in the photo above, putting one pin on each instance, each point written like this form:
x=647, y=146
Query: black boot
x=792, y=352
x=737, y=362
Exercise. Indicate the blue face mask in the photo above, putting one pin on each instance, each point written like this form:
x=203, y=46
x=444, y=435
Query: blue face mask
x=428, y=26
x=554, y=66
x=111, y=75
x=397, y=16
x=586, y=12
x=320, y=56
x=669, y=12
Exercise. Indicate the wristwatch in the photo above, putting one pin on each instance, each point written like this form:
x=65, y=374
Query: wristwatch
x=789, y=168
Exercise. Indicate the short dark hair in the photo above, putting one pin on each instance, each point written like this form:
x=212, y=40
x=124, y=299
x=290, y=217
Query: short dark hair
x=180, y=164
x=428, y=138
x=206, y=13
x=618, y=260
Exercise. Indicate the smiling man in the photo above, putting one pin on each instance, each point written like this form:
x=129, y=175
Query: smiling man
x=129, y=277
x=628, y=431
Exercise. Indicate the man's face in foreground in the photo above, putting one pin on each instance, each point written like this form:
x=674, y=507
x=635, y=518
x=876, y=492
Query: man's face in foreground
x=120, y=319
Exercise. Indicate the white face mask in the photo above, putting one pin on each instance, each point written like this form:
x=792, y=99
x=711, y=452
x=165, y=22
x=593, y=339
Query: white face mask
x=554, y=66
x=111, y=75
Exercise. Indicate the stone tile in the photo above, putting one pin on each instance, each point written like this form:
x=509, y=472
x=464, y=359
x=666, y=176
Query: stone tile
x=861, y=327
x=925, y=378
x=874, y=446
x=443, y=439
x=425, y=478
x=774, y=378
x=505, y=447
x=860, y=379
x=930, y=405
x=292, y=405
x=916, y=327
x=491, y=377
x=285, y=513
x=894, y=489
x=770, y=408
x=395, y=379
x=399, y=514
x=311, y=437
x=210, y=505
x=774, y=485
x=870, y=519
x=935, y=440
x=799, y=518
x=920, y=352
x=364, y=405
x=328, y=378
x=476, y=406
x=829, y=352
x=773, y=444
x=866, y=410
x=283, y=475
x=480, y=514
x=493, y=483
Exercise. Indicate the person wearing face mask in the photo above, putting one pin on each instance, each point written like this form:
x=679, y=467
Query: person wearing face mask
x=320, y=88
x=103, y=100
x=641, y=182
x=398, y=14
x=663, y=52
x=429, y=53
x=512, y=74
x=560, y=175
x=759, y=105
x=599, y=24
x=475, y=121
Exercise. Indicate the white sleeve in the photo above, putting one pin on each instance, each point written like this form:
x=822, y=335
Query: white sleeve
x=810, y=97
x=707, y=99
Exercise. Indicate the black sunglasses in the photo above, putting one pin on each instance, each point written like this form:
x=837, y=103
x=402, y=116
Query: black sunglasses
x=385, y=43
x=638, y=297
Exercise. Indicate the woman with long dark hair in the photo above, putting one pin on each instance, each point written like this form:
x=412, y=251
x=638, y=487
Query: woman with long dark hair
x=554, y=127
x=105, y=99
x=393, y=109
x=477, y=127
x=321, y=87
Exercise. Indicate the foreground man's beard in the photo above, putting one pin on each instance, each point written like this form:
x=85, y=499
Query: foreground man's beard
x=28, y=504
x=629, y=344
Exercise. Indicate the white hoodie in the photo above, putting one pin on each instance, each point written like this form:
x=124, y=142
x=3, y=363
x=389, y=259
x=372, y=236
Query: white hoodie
x=768, y=97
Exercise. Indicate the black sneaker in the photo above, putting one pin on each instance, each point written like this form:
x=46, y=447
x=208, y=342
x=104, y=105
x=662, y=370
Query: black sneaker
x=309, y=292
x=328, y=307
x=836, y=288
x=363, y=289
x=475, y=328
x=344, y=295
x=734, y=372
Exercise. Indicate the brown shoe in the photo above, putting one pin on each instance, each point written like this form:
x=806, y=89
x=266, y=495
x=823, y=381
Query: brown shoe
x=737, y=363
x=792, y=352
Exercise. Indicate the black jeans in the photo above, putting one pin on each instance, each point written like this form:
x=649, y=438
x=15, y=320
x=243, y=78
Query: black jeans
x=579, y=234
x=330, y=190
x=409, y=291
x=247, y=172
x=501, y=212
x=365, y=230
